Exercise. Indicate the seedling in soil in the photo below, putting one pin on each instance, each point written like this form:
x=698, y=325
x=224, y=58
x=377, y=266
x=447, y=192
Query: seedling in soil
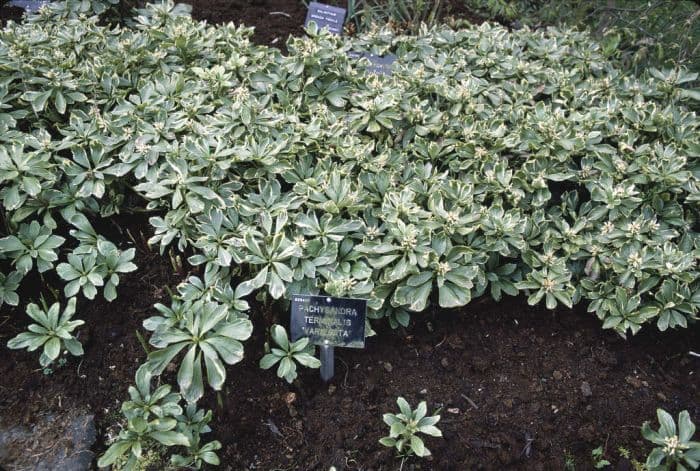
x=288, y=354
x=405, y=427
x=52, y=331
x=599, y=462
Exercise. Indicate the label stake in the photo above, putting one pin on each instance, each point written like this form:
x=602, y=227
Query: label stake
x=327, y=362
x=328, y=322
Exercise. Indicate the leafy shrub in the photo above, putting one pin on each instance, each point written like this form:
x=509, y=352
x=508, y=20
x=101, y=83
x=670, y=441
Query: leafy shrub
x=639, y=33
x=489, y=163
x=209, y=334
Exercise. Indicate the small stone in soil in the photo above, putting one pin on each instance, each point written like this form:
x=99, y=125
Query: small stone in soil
x=331, y=389
x=453, y=410
x=423, y=392
x=586, y=389
x=388, y=367
x=634, y=381
x=444, y=362
x=557, y=375
x=661, y=396
x=290, y=397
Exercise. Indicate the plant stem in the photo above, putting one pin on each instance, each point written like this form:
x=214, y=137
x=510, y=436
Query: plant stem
x=142, y=341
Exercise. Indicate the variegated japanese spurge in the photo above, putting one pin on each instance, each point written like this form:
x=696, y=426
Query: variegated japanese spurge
x=491, y=162
x=207, y=335
x=287, y=354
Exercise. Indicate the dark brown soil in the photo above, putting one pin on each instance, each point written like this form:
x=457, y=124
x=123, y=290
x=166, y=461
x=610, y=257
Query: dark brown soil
x=275, y=20
x=517, y=387
x=9, y=13
x=98, y=380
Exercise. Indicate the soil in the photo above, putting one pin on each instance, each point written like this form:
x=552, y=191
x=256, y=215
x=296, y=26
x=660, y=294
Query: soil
x=518, y=387
x=8, y=12
x=275, y=20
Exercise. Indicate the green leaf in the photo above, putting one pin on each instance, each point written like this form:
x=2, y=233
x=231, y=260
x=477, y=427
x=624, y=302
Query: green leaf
x=388, y=442
x=430, y=430
x=238, y=329
x=231, y=351
x=185, y=374
x=404, y=407
x=10, y=244
x=451, y=295
x=287, y=370
x=216, y=372
x=60, y=102
x=418, y=446
x=211, y=458
x=668, y=425
x=38, y=99
x=279, y=336
x=196, y=390
x=655, y=458
x=420, y=411
x=396, y=429
x=116, y=450
x=686, y=428
x=170, y=438
x=390, y=419
x=269, y=360
x=52, y=348
x=692, y=94
x=307, y=360
x=249, y=286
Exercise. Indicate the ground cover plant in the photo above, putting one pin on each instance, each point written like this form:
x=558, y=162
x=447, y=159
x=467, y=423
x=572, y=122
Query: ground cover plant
x=489, y=163
x=640, y=34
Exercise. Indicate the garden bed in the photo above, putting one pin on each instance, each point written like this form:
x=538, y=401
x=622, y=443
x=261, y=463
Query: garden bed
x=504, y=375
x=274, y=20
x=517, y=386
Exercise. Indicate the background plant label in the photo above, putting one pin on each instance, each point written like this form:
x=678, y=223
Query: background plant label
x=326, y=16
x=378, y=64
x=339, y=322
x=28, y=5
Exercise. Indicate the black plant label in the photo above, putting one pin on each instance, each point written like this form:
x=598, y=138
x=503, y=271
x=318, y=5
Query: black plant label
x=338, y=322
x=377, y=64
x=326, y=16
